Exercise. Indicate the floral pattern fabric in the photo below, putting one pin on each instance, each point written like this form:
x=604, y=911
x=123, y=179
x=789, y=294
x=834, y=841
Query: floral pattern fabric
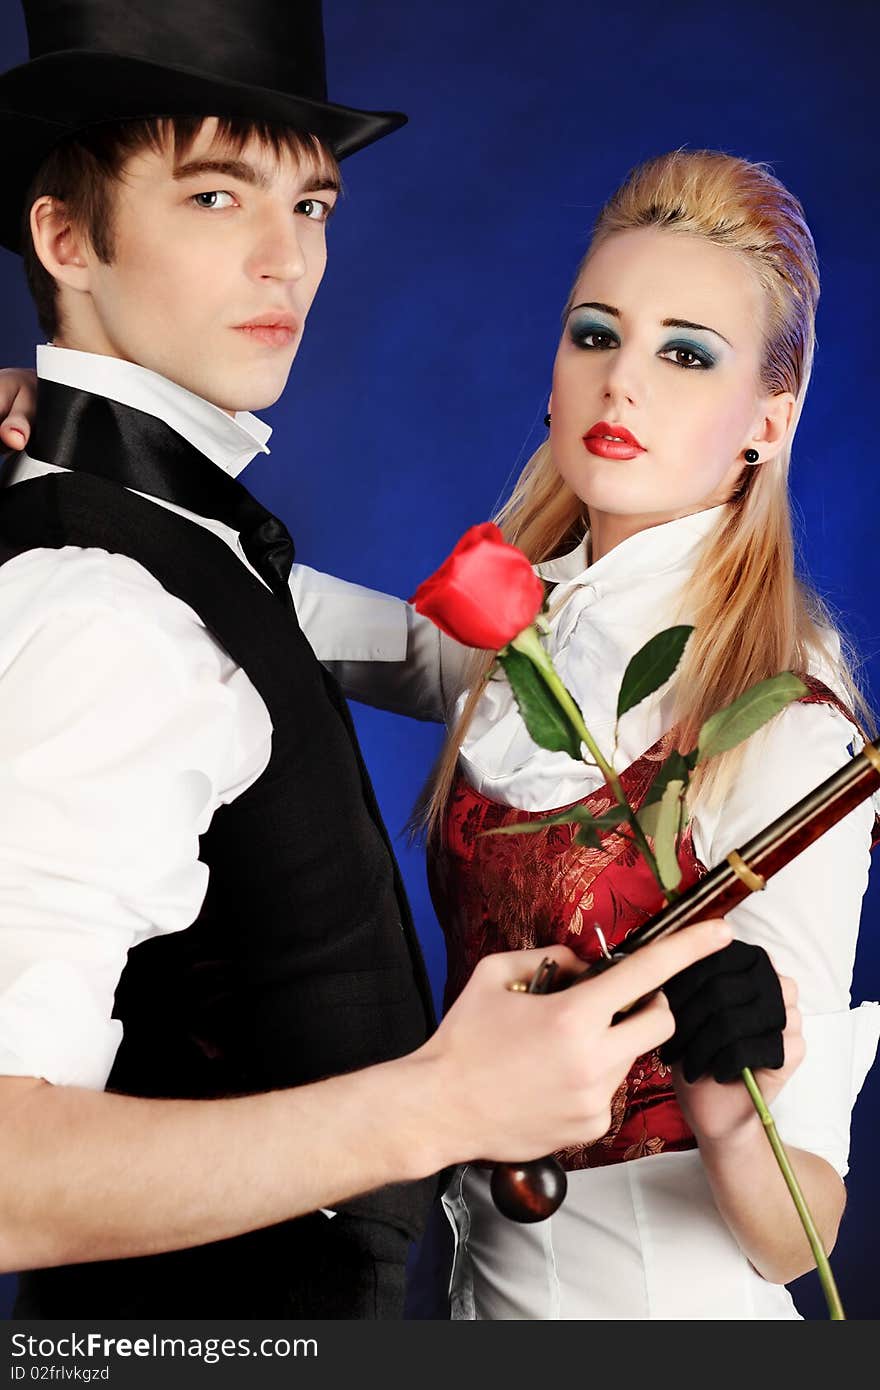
x=506, y=892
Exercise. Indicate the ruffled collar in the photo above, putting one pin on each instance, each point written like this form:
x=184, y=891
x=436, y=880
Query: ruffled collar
x=657, y=550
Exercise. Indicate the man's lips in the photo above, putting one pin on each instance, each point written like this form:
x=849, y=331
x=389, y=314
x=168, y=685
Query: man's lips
x=612, y=441
x=274, y=335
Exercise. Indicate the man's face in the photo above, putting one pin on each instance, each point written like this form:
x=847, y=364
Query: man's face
x=200, y=252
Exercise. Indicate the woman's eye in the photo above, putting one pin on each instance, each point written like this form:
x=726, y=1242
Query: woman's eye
x=214, y=193
x=314, y=208
x=695, y=360
x=593, y=338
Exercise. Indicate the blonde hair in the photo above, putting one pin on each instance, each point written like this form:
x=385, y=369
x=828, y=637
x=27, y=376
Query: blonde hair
x=753, y=616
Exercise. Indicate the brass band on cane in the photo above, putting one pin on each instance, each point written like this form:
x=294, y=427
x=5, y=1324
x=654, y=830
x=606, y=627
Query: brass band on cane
x=752, y=880
x=872, y=755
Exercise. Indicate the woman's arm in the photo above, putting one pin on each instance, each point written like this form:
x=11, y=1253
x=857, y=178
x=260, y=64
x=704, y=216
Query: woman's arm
x=807, y=919
x=751, y=1195
x=742, y=1171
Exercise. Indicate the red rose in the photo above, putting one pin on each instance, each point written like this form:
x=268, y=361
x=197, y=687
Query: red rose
x=485, y=593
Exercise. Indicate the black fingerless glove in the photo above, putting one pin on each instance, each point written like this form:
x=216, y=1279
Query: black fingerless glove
x=729, y=1014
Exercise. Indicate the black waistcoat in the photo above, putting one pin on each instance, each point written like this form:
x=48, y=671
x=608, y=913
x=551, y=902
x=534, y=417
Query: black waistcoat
x=303, y=962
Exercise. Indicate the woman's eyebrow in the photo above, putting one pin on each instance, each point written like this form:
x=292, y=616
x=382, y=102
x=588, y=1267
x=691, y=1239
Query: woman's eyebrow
x=603, y=308
x=700, y=327
x=665, y=323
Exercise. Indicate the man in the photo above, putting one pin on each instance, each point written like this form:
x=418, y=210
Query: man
x=190, y=842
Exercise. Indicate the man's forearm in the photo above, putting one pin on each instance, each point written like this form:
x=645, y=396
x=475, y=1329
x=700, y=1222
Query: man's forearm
x=751, y=1195
x=89, y=1175
x=92, y=1175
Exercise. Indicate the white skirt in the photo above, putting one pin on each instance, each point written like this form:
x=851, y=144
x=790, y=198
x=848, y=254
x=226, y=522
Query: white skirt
x=633, y=1240
x=644, y=1239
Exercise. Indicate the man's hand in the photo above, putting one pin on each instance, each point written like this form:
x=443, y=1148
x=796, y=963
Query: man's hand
x=518, y=1075
x=18, y=404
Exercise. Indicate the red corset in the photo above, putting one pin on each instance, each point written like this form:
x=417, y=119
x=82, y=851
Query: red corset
x=504, y=892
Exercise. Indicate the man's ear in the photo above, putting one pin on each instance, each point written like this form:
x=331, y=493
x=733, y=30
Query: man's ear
x=773, y=425
x=61, y=248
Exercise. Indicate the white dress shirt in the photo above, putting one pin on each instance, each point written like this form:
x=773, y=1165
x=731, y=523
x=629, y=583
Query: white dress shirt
x=123, y=726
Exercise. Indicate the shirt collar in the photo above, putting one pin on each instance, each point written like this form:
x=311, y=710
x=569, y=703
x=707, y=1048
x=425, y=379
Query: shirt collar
x=230, y=443
x=656, y=550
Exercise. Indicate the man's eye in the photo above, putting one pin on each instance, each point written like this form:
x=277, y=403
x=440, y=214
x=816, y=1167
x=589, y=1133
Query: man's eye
x=315, y=209
x=214, y=193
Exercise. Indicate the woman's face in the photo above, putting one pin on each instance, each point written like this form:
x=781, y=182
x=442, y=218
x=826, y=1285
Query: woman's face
x=664, y=341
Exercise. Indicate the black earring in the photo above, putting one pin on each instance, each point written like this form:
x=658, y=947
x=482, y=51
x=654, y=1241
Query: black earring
x=547, y=420
x=751, y=456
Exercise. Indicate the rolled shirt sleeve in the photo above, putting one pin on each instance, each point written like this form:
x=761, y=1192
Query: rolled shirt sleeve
x=378, y=647
x=123, y=726
x=807, y=918
x=812, y=1111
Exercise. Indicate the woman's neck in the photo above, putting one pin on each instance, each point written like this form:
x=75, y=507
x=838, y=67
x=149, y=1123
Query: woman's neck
x=608, y=529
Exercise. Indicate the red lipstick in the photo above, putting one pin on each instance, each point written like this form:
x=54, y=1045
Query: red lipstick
x=612, y=441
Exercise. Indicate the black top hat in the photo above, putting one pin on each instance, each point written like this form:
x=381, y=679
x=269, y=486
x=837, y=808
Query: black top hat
x=94, y=61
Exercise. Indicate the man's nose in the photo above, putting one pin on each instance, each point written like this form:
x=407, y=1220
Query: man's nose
x=280, y=254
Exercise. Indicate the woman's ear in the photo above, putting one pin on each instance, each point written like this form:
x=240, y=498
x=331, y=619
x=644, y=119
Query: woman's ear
x=773, y=425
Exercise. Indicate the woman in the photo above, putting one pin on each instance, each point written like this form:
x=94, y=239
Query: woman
x=660, y=497
x=679, y=380
x=681, y=371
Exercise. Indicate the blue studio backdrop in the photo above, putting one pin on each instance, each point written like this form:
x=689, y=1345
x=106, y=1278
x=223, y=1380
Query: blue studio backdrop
x=422, y=382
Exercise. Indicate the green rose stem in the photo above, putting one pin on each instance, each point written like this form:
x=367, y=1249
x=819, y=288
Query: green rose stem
x=823, y=1267
x=529, y=643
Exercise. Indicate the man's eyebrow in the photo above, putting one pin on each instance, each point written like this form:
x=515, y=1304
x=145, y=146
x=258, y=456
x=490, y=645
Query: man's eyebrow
x=247, y=173
x=665, y=323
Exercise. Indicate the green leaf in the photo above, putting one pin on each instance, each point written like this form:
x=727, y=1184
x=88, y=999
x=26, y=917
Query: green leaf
x=647, y=816
x=748, y=713
x=532, y=827
x=575, y=815
x=684, y=814
x=675, y=768
x=667, y=834
x=546, y=722
x=652, y=666
x=588, y=834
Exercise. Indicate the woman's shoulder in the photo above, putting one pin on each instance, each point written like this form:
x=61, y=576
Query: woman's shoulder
x=827, y=685
x=795, y=752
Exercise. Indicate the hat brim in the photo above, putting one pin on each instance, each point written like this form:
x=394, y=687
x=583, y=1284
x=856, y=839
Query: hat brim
x=57, y=96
